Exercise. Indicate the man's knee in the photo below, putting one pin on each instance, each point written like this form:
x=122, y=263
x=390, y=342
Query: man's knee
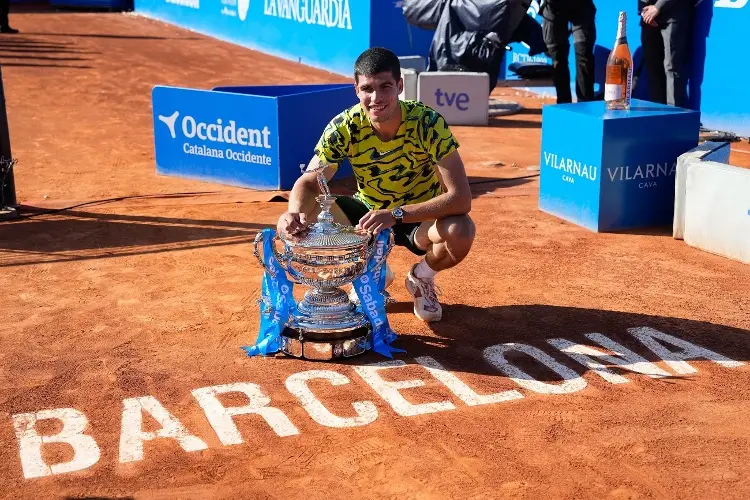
x=559, y=55
x=583, y=49
x=558, y=45
x=457, y=230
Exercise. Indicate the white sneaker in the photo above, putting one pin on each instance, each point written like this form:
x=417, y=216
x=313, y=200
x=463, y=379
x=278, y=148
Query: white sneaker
x=423, y=290
x=389, y=277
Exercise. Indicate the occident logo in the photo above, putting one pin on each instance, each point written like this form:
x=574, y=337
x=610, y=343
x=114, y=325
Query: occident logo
x=242, y=7
x=328, y=13
x=219, y=132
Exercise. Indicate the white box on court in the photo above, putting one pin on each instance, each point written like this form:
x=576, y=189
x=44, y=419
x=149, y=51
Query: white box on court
x=461, y=97
x=410, y=85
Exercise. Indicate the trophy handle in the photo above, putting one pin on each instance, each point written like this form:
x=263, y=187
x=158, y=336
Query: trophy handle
x=258, y=242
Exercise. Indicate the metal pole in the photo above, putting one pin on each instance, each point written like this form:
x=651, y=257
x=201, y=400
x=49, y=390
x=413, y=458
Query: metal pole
x=8, y=187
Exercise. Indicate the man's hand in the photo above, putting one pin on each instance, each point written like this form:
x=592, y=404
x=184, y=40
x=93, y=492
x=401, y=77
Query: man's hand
x=376, y=220
x=292, y=225
x=649, y=15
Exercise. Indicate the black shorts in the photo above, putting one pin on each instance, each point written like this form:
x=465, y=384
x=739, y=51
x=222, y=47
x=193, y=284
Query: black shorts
x=403, y=233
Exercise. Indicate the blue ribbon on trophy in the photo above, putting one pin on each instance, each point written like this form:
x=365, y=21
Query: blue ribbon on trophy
x=276, y=303
x=369, y=288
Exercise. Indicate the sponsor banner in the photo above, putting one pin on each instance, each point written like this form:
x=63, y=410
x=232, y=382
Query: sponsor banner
x=327, y=34
x=609, y=170
x=256, y=137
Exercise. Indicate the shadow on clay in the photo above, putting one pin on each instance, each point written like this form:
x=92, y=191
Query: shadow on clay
x=34, y=53
x=465, y=332
x=78, y=235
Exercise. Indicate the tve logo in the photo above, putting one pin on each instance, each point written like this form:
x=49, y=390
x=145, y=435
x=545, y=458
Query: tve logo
x=731, y=4
x=328, y=13
x=218, y=132
x=460, y=96
x=460, y=100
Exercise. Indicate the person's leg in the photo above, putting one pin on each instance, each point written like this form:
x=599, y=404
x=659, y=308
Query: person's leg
x=676, y=39
x=653, y=61
x=445, y=243
x=584, y=38
x=4, y=9
x=555, y=32
x=4, y=23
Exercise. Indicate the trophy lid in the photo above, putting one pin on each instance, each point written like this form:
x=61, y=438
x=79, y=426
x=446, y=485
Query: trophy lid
x=327, y=234
x=333, y=236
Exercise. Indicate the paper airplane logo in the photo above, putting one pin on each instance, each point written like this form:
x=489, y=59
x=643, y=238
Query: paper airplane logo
x=169, y=121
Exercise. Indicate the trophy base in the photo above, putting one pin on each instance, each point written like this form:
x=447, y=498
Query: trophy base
x=320, y=346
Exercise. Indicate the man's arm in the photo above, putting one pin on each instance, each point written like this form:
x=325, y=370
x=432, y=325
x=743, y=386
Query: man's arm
x=456, y=200
x=302, y=198
x=666, y=5
x=306, y=189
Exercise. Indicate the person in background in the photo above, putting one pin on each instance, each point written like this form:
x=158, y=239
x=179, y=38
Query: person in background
x=559, y=17
x=665, y=35
x=4, y=24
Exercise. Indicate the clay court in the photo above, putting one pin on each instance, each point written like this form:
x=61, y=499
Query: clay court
x=147, y=289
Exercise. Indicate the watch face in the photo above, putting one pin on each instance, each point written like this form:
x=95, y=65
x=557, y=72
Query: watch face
x=398, y=213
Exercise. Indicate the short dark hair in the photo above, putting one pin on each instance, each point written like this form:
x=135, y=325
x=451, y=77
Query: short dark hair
x=377, y=60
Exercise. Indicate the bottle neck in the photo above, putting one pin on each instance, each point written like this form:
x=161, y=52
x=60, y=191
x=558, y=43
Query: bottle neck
x=621, y=27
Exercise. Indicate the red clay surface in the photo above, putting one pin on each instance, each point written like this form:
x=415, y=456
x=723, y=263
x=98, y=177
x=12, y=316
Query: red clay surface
x=155, y=295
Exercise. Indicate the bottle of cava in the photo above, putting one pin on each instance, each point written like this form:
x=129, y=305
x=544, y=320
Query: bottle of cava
x=617, y=85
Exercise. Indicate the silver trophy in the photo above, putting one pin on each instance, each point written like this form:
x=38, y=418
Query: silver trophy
x=326, y=325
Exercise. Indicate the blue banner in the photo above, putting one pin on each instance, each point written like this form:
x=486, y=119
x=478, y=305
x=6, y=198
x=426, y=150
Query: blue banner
x=277, y=302
x=327, y=34
x=608, y=170
x=370, y=287
x=232, y=139
x=244, y=136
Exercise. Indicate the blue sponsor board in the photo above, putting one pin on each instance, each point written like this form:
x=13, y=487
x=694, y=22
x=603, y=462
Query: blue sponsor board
x=613, y=170
x=255, y=137
x=327, y=34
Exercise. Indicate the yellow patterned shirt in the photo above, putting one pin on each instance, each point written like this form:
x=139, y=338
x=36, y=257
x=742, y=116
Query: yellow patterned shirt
x=396, y=172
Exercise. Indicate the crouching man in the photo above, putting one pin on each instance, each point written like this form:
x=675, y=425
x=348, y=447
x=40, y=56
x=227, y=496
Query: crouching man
x=409, y=176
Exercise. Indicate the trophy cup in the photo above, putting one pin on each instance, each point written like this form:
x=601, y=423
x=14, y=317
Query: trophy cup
x=326, y=325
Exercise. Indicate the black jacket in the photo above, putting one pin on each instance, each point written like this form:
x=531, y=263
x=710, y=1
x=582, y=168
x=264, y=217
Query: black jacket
x=669, y=10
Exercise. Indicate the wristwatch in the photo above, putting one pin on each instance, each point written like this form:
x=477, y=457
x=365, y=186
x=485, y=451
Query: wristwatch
x=398, y=214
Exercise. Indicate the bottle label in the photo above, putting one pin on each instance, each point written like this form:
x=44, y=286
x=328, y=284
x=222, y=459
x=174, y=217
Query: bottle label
x=629, y=90
x=612, y=92
x=614, y=74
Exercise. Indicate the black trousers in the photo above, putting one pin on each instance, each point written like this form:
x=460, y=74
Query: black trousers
x=560, y=16
x=4, y=9
x=665, y=57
